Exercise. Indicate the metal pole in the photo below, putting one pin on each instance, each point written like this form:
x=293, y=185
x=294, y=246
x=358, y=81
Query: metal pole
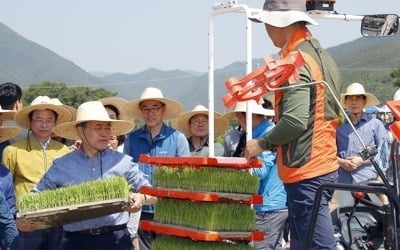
x=220, y=9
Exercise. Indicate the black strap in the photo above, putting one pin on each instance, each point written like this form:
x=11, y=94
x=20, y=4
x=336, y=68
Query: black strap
x=98, y=231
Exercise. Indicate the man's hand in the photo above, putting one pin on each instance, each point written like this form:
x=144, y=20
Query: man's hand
x=351, y=163
x=136, y=201
x=252, y=149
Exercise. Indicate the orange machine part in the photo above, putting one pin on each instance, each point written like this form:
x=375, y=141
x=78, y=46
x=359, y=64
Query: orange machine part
x=199, y=235
x=256, y=84
x=201, y=196
x=199, y=161
x=394, y=106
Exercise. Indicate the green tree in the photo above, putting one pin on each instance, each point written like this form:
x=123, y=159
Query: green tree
x=72, y=96
x=396, y=77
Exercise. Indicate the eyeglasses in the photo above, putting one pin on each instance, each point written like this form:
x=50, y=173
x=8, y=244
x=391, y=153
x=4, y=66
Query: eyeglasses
x=198, y=122
x=44, y=121
x=152, y=110
x=99, y=128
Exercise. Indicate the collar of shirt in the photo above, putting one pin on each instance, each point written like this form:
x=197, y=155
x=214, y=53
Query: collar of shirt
x=298, y=36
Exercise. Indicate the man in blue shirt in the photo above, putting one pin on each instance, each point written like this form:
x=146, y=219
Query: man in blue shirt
x=95, y=160
x=353, y=168
x=154, y=138
x=8, y=231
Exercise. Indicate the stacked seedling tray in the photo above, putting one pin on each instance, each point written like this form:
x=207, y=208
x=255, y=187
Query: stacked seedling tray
x=65, y=205
x=204, y=202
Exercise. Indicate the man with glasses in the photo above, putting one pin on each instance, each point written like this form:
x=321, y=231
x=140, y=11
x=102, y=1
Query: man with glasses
x=30, y=158
x=194, y=125
x=94, y=160
x=154, y=138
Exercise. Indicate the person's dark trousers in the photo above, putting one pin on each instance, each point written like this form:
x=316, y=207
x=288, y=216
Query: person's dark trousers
x=46, y=239
x=114, y=240
x=146, y=238
x=8, y=230
x=301, y=196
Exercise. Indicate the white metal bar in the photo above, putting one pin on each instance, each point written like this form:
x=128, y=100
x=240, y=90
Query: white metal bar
x=221, y=9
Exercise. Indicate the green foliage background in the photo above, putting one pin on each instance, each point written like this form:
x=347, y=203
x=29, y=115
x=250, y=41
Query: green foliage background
x=72, y=95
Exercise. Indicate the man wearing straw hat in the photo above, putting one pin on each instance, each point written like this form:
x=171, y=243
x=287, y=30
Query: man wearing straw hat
x=194, y=125
x=29, y=158
x=271, y=216
x=92, y=161
x=11, y=99
x=5, y=115
x=307, y=118
x=155, y=138
x=6, y=178
x=353, y=169
x=115, y=107
x=8, y=229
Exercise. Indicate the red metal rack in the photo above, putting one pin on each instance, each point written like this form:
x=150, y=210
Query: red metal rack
x=201, y=196
x=200, y=161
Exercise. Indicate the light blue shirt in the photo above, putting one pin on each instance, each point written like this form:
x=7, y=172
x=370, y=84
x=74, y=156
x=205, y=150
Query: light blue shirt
x=372, y=133
x=270, y=185
x=169, y=142
x=77, y=167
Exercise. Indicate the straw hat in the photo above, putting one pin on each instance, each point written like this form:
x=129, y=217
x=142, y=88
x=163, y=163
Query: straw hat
x=119, y=104
x=72, y=110
x=7, y=114
x=282, y=13
x=396, y=96
x=7, y=133
x=92, y=111
x=42, y=102
x=254, y=108
x=172, y=107
x=181, y=123
x=358, y=89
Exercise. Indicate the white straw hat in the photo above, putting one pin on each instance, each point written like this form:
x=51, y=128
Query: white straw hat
x=119, y=104
x=181, y=123
x=282, y=13
x=42, y=102
x=396, y=95
x=172, y=107
x=255, y=108
x=92, y=111
x=7, y=114
x=8, y=132
x=358, y=89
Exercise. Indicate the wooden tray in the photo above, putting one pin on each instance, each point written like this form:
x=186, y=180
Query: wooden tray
x=51, y=217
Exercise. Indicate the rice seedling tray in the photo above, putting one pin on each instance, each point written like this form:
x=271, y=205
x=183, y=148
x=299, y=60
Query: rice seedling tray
x=199, y=235
x=51, y=217
x=199, y=161
x=201, y=196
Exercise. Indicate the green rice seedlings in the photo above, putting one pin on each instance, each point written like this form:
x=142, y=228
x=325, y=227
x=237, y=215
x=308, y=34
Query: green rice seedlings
x=229, y=217
x=165, y=242
x=206, y=179
x=92, y=191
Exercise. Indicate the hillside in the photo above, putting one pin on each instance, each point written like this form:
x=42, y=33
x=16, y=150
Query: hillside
x=26, y=62
x=366, y=60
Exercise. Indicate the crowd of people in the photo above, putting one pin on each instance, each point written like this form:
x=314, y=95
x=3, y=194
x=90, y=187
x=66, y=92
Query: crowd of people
x=297, y=133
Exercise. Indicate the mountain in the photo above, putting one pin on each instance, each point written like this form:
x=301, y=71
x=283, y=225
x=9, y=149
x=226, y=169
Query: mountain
x=366, y=60
x=25, y=62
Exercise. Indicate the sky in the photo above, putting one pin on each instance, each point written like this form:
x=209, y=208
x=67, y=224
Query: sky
x=130, y=36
